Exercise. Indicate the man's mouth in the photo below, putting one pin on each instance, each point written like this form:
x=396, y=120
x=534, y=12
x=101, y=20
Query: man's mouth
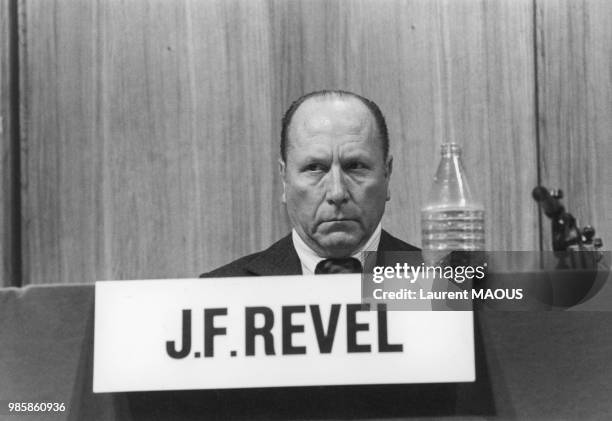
x=337, y=221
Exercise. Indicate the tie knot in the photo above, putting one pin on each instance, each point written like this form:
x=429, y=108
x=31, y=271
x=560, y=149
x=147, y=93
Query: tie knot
x=341, y=265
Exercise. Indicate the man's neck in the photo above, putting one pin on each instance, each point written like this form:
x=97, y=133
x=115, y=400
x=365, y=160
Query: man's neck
x=309, y=258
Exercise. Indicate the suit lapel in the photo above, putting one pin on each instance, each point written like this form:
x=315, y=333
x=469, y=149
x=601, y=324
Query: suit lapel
x=392, y=250
x=280, y=259
x=385, y=240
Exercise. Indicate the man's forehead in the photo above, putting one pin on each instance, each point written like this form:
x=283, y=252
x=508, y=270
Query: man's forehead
x=332, y=115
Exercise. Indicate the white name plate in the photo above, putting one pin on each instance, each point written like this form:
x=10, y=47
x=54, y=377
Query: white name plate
x=268, y=332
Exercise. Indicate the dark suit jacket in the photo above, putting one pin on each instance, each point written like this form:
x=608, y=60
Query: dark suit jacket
x=282, y=259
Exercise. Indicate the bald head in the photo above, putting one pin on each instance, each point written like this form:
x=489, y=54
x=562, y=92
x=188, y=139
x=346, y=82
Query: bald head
x=337, y=97
x=335, y=172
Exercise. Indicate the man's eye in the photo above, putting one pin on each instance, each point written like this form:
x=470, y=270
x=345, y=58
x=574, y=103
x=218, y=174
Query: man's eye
x=314, y=167
x=356, y=165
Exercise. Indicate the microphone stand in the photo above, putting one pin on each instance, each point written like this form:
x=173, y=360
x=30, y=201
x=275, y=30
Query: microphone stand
x=567, y=237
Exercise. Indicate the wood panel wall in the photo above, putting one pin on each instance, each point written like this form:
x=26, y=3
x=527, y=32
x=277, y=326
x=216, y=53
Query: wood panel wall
x=150, y=128
x=152, y=154
x=9, y=271
x=575, y=107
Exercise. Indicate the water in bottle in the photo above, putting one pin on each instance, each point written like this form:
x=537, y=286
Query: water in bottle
x=452, y=219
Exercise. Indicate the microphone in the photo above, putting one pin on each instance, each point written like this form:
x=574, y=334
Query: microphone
x=549, y=202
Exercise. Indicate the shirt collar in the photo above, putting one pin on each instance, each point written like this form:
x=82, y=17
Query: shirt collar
x=310, y=259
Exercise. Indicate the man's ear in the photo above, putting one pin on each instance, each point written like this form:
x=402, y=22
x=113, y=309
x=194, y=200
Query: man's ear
x=388, y=170
x=282, y=169
x=389, y=166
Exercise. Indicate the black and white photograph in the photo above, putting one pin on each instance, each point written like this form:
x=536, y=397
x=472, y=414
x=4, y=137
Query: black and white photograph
x=305, y=209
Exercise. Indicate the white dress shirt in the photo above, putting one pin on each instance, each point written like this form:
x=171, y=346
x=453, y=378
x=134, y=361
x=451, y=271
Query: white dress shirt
x=310, y=259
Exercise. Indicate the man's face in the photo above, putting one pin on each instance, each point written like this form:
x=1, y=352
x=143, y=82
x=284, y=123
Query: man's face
x=335, y=178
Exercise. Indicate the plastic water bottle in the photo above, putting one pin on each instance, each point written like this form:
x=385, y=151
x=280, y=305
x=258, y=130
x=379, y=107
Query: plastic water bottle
x=452, y=219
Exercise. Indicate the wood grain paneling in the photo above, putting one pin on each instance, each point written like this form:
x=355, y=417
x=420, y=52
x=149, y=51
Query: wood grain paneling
x=149, y=149
x=151, y=127
x=9, y=272
x=5, y=172
x=575, y=108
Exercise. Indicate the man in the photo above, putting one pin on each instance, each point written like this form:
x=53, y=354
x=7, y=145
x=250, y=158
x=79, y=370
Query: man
x=335, y=168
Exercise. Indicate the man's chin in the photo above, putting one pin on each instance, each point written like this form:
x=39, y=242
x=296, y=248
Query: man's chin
x=339, y=244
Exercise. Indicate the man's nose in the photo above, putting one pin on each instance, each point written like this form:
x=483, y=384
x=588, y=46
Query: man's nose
x=337, y=193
